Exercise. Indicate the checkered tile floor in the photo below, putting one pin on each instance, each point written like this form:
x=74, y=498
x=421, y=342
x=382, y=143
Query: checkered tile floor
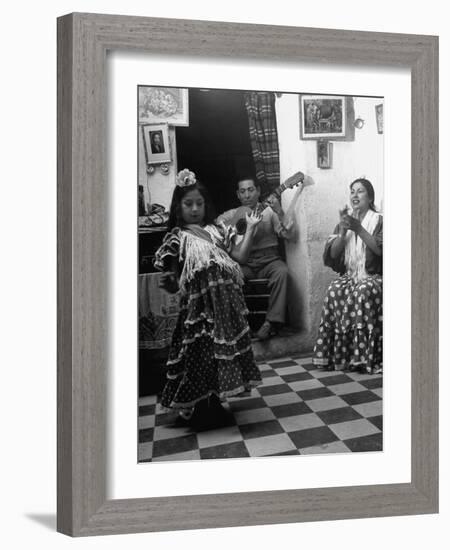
x=297, y=410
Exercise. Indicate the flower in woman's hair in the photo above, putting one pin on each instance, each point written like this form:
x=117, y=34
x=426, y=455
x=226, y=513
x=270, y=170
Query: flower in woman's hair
x=186, y=177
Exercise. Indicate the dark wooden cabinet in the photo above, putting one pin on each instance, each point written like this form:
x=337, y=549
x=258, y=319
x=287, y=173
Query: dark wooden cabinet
x=150, y=239
x=152, y=362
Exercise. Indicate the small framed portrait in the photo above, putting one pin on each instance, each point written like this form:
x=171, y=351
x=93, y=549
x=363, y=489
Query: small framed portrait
x=156, y=143
x=379, y=117
x=324, y=154
x=169, y=105
x=326, y=117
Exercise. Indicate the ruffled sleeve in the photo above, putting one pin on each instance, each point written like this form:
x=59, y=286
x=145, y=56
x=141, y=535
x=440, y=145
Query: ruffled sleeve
x=336, y=264
x=169, y=250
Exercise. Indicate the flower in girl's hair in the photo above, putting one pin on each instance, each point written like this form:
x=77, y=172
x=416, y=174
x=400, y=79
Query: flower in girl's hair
x=186, y=177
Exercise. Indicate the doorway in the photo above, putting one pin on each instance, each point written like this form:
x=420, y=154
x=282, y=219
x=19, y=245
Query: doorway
x=216, y=144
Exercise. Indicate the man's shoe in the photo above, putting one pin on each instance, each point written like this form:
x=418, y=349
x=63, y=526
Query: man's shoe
x=265, y=332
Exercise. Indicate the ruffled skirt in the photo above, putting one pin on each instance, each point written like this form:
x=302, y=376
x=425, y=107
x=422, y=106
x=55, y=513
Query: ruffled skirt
x=211, y=348
x=351, y=327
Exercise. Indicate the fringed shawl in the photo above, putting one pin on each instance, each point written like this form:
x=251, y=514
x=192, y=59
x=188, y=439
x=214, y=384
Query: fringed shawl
x=355, y=247
x=196, y=248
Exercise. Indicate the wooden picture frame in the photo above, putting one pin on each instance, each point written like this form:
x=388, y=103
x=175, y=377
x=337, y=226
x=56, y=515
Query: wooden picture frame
x=163, y=104
x=379, y=109
x=324, y=154
x=327, y=117
x=83, y=42
x=156, y=143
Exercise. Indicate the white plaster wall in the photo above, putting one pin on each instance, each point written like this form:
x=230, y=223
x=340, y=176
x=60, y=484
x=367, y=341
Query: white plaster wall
x=316, y=210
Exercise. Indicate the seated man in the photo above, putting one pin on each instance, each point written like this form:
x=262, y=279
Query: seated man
x=264, y=260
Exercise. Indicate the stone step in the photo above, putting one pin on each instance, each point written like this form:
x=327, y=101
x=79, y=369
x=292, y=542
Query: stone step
x=287, y=343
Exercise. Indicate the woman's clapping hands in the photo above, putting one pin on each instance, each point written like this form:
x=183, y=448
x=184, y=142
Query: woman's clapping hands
x=346, y=222
x=343, y=223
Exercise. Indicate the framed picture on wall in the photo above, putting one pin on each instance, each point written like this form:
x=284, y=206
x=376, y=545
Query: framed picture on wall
x=156, y=143
x=91, y=273
x=169, y=105
x=327, y=117
x=324, y=154
x=379, y=117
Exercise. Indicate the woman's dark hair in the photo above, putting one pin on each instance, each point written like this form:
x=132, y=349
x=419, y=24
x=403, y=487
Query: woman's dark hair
x=370, y=191
x=175, y=219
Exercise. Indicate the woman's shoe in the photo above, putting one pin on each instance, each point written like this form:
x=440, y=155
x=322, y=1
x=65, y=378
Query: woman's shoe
x=182, y=421
x=209, y=414
x=186, y=414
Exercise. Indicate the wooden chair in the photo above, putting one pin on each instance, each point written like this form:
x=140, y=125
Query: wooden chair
x=256, y=294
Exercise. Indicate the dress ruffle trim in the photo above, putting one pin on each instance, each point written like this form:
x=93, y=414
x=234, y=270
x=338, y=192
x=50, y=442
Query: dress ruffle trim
x=221, y=395
x=202, y=317
x=212, y=284
x=363, y=349
x=217, y=355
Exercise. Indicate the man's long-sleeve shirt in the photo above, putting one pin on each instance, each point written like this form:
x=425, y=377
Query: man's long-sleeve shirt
x=267, y=230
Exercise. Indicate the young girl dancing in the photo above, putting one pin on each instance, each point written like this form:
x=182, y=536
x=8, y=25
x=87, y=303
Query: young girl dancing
x=211, y=356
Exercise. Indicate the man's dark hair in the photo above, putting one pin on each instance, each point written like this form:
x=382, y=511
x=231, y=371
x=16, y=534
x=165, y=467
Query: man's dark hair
x=248, y=177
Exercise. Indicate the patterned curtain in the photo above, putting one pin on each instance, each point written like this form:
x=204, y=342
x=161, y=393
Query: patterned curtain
x=264, y=139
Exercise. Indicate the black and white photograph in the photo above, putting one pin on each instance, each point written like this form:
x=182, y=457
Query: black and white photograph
x=260, y=283
x=156, y=143
x=158, y=104
x=379, y=117
x=205, y=370
x=323, y=116
x=324, y=154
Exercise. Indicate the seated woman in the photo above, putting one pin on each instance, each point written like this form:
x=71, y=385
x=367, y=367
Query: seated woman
x=350, y=331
